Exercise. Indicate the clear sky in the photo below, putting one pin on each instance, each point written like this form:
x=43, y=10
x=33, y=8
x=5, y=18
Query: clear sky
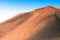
x=9, y=8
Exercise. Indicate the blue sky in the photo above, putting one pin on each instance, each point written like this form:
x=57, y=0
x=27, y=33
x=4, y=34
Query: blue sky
x=9, y=8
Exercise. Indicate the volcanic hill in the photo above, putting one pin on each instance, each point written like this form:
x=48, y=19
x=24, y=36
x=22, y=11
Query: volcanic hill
x=39, y=24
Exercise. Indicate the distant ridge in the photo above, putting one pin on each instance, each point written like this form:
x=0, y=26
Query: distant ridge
x=39, y=24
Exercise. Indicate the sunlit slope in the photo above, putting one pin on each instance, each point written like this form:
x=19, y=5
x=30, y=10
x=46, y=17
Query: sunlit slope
x=40, y=24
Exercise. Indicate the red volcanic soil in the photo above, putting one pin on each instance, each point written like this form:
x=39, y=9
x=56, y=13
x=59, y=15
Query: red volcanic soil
x=39, y=24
